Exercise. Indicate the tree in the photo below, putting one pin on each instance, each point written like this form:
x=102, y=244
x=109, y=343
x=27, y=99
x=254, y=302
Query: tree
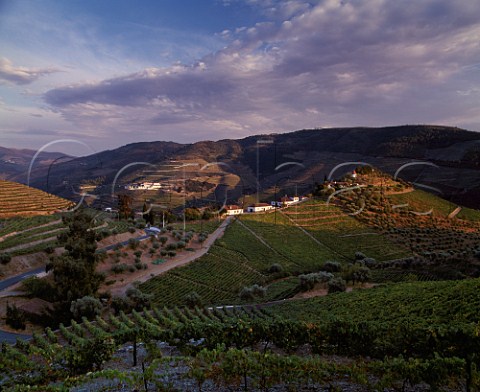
x=15, y=317
x=74, y=272
x=125, y=206
x=193, y=299
x=87, y=306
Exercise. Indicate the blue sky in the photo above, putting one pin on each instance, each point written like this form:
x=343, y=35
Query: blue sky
x=109, y=73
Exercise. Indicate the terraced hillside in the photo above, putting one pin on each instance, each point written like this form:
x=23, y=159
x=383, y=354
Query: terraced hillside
x=20, y=200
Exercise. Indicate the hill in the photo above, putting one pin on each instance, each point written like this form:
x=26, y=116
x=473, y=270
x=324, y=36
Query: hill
x=307, y=157
x=15, y=162
x=20, y=200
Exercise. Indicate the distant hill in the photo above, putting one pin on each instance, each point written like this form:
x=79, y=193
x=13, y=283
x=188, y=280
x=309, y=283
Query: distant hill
x=15, y=162
x=20, y=200
x=307, y=157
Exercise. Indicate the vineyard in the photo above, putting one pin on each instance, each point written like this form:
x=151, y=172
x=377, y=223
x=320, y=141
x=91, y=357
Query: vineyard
x=411, y=332
x=20, y=236
x=338, y=236
x=20, y=200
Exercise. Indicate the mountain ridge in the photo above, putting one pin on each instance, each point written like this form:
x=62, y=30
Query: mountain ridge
x=307, y=154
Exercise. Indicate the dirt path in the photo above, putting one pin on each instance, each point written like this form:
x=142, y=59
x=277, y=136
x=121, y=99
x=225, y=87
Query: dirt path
x=408, y=190
x=454, y=213
x=119, y=288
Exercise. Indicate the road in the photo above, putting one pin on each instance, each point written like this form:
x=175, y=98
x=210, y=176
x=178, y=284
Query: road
x=6, y=283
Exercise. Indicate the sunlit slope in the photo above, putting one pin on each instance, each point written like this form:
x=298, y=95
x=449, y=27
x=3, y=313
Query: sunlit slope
x=20, y=200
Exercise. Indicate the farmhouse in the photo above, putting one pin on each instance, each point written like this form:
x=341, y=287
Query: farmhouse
x=233, y=210
x=144, y=186
x=285, y=201
x=259, y=207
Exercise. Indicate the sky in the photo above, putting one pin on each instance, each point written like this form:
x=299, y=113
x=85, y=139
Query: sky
x=112, y=72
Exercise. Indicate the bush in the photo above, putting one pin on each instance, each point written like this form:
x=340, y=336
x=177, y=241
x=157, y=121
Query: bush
x=87, y=306
x=359, y=256
x=246, y=294
x=274, y=268
x=15, y=317
x=336, y=285
x=171, y=253
x=181, y=244
x=250, y=293
x=163, y=240
x=172, y=246
x=133, y=243
x=49, y=250
x=39, y=288
x=5, y=258
x=193, y=299
x=131, y=230
x=138, y=253
x=332, y=266
x=138, y=299
x=308, y=281
x=119, y=268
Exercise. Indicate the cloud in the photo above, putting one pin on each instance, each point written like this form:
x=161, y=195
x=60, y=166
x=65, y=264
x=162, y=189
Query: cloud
x=21, y=75
x=333, y=63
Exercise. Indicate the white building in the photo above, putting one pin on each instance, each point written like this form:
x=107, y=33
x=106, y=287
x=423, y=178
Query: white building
x=148, y=186
x=259, y=207
x=233, y=210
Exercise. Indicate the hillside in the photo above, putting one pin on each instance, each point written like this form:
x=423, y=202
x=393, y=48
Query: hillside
x=308, y=156
x=15, y=162
x=20, y=200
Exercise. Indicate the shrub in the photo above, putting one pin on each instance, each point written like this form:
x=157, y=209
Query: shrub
x=49, y=250
x=39, y=288
x=163, y=240
x=172, y=246
x=87, y=306
x=131, y=230
x=274, y=268
x=336, y=285
x=308, y=281
x=133, y=243
x=359, y=256
x=171, y=253
x=193, y=299
x=138, y=299
x=246, y=294
x=15, y=317
x=163, y=252
x=119, y=268
x=5, y=258
x=138, y=253
x=181, y=244
x=332, y=266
